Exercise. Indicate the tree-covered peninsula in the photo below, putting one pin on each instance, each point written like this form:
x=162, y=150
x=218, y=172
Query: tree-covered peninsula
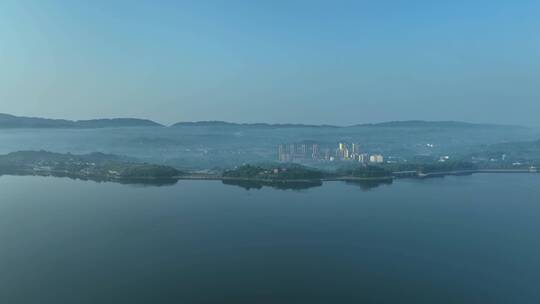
x=97, y=166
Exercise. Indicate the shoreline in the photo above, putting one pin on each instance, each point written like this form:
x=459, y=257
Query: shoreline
x=417, y=175
x=201, y=177
x=476, y=171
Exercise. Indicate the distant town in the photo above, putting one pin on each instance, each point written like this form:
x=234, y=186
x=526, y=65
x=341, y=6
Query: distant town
x=138, y=151
x=343, y=152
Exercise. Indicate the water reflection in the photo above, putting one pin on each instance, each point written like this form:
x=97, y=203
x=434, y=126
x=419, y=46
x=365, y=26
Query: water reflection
x=364, y=185
x=257, y=185
x=134, y=182
x=367, y=185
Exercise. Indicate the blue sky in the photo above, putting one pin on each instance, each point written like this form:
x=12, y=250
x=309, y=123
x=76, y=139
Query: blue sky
x=338, y=62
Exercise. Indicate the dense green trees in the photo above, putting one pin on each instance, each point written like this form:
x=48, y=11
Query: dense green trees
x=290, y=173
x=364, y=171
x=96, y=165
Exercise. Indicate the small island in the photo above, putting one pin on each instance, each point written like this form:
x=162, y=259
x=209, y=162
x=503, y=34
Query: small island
x=298, y=177
x=274, y=173
x=293, y=177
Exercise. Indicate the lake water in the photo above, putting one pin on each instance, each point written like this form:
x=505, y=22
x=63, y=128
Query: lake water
x=472, y=239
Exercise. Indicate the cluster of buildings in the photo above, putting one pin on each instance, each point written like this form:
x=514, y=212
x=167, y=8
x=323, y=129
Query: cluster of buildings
x=352, y=152
x=298, y=152
x=343, y=152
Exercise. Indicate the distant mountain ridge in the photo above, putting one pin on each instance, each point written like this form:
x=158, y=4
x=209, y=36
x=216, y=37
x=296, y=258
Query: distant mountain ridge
x=218, y=123
x=441, y=124
x=11, y=121
x=389, y=124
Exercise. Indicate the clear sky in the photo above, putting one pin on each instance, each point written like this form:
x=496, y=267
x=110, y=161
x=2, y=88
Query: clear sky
x=309, y=61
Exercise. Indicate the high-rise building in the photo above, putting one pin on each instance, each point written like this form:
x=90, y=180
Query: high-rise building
x=355, y=149
x=292, y=151
x=315, y=152
x=363, y=158
x=303, y=149
x=284, y=153
x=327, y=154
x=342, y=152
x=281, y=152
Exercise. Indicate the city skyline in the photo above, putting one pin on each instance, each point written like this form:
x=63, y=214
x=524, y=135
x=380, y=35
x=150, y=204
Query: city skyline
x=343, y=151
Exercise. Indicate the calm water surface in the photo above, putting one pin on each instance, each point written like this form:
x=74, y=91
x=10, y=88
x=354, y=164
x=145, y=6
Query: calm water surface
x=454, y=240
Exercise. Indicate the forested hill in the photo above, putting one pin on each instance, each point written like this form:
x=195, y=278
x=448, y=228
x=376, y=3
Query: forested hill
x=92, y=166
x=11, y=121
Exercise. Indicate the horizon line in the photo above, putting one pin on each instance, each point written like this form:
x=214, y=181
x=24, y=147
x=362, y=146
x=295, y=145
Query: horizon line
x=265, y=123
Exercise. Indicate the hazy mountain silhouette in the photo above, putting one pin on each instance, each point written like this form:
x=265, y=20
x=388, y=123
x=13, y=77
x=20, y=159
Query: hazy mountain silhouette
x=11, y=121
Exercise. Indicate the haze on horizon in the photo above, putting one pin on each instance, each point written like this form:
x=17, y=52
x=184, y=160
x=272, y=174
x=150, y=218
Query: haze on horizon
x=319, y=62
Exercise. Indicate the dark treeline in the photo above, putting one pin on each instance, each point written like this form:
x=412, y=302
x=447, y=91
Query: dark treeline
x=430, y=167
x=295, y=172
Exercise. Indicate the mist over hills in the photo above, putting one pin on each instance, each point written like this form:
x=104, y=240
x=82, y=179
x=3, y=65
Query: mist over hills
x=389, y=124
x=211, y=144
x=440, y=124
x=219, y=123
